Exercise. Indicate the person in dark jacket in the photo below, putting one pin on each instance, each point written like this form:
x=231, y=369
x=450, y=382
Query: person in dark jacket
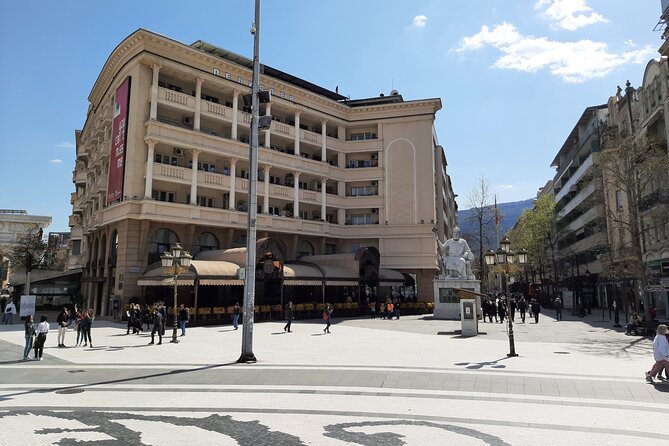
x=86, y=325
x=30, y=337
x=536, y=308
x=157, y=326
x=522, y=308
x=289, y=317
x=183, y=318
x=62, y=321
x=327, y=317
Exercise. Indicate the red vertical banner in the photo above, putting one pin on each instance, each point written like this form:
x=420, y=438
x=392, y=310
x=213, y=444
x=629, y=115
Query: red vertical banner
x=119, y=143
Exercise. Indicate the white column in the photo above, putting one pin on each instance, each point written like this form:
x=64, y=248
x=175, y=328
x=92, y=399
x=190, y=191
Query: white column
x=198, y=103
x=154, y=92
x=323, y=198
x=232, y=204
x=268, y=131
x=297, y=132
x=193, y=182
x=265, y=204
x=296, y=197
x=235, y=104
x=324, y=140
x=148, y=185
x=341, y=216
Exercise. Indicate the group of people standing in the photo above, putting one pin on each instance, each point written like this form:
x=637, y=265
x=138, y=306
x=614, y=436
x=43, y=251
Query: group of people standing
x=8, y=310
x=386, y=310
x=496, y=306
x=35, y=336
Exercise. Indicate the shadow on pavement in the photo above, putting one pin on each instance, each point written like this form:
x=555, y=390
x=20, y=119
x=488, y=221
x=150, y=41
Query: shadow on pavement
x=479, y=365
x=115, y=381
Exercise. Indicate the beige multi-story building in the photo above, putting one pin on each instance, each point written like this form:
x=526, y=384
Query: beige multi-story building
x=15, y=223
x=335, y=175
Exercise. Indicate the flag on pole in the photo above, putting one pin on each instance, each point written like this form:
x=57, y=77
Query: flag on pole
x=496, y=211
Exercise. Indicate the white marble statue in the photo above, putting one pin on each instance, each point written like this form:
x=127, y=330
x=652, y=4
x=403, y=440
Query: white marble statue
x=456, y=257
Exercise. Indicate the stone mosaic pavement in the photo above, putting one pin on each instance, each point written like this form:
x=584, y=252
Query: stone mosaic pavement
x=371, y=382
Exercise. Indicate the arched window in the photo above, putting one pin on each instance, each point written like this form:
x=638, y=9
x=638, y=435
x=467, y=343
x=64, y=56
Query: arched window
x=161, y=241
x=305, y=249
x=113, y=249
x=206, y=241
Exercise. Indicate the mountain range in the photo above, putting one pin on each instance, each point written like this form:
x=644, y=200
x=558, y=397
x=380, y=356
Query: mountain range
x=508, y=216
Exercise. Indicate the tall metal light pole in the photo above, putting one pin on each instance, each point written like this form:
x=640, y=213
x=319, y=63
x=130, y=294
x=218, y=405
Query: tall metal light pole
x=175, y=263
x=250, y=280
x=504, y=257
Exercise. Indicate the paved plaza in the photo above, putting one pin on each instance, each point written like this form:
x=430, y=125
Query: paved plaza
x=415, y=381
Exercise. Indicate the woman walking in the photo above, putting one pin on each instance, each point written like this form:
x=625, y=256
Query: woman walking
x=42, y=330
x=327, y=316
x=30, y=335
x=660, y=352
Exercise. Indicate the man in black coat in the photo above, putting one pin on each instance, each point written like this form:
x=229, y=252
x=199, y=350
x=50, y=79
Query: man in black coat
x=157, y=326
x=536, y=308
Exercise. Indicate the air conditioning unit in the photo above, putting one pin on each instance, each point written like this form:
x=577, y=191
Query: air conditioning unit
x=374, y=156
x=188, y=120
x=178, y=151
x=374, y=211
x=375, y=183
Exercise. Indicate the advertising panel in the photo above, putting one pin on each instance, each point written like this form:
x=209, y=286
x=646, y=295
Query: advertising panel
x=27, y=305
x=118, y=146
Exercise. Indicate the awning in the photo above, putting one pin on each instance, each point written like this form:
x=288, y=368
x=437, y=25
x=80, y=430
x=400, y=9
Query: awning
x=390, y=277
x=209, y=272
x=157, y=277
x=296, y=274
x=215, y=268
x=221, y=282
x=340, y=276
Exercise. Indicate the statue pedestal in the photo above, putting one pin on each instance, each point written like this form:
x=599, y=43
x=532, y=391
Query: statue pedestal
x=446, y=300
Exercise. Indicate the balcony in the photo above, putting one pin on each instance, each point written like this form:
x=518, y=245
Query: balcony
x=175, y=98
x=656, y=198
x=79, y=177
x=173, y=173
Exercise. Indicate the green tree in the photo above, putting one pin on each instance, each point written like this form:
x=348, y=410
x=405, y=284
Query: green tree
x=535, y=232
x=482, y=215
x=28, y=253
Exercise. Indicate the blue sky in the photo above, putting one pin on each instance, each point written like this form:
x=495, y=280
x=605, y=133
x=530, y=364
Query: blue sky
x=513, y=75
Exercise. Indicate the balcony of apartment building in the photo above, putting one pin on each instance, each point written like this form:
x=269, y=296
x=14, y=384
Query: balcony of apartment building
x=571, y=164
x=79, y=177
x=357, y=217
x=177, y=107
x=656, y=198
x=577, y=197
x=567, y=183
x=579, y=218
x=586, y=237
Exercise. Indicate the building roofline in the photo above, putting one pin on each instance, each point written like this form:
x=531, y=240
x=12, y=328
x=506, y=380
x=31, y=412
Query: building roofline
x=568, y=143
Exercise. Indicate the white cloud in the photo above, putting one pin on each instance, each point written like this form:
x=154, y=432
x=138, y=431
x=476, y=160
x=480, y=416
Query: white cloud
x=574, y=62
x=570, y=14
x=65, y=145
x=56, y=161
x=418, y=22
x=505, y=186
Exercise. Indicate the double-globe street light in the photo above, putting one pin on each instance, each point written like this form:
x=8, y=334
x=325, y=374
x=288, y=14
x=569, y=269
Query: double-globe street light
x=504, y=258
x=174, y=263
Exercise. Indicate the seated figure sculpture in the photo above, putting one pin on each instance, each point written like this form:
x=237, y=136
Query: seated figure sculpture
x=456, y=256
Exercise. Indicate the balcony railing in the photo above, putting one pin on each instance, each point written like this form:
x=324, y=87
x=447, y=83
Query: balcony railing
x=655, y=198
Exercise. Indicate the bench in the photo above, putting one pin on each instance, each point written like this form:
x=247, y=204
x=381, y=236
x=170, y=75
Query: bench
x=647, y=328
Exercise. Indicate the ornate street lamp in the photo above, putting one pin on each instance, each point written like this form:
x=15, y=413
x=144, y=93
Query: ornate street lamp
x=503, y=258
x=175, y=263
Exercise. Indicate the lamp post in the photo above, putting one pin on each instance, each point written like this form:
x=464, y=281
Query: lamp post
x=503, y=258
x=174, y=263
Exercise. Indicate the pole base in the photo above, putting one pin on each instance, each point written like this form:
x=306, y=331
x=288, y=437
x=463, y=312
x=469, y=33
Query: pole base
x=511, y=355
x=247, y=358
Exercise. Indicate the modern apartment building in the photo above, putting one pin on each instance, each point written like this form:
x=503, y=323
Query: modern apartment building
x=580, y=217
x=163, y=158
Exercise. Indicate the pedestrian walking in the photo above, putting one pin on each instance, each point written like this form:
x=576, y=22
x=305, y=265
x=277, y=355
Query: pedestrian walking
x=289, y=317
x=501, y=310
x=493, y=310
x=327, y=317
x=522, y=308
x=512, y=311
x=157, y=326
x=61, y=322
x=163, y=312
x=10, y=311
x=235, y=315
x=86, y=324
x=397, y=309
x=557, y=304
x=660, y=353
x=536, y=308
x=183, y=318
x=42, y=330
x=30, y=336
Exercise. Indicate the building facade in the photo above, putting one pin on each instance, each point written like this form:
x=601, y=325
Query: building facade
x=15, y=223
x=580, y=217
x=335, y=175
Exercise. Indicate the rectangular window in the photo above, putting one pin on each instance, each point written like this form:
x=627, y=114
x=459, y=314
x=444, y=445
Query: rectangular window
x=163, y=196
x=165, y=159
x=619, y=200
x=76, y=247
x=205, y=202
x=207, y=167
